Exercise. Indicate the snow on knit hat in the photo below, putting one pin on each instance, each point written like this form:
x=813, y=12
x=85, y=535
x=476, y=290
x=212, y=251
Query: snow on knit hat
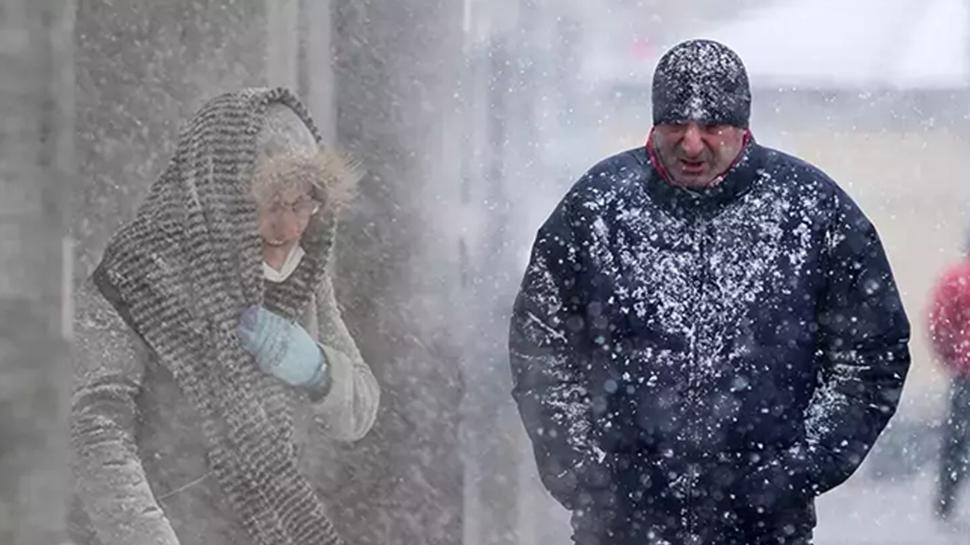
x=703, y=81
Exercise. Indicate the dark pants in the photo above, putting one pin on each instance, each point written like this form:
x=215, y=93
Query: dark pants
x=614, y=528
x=955, y=452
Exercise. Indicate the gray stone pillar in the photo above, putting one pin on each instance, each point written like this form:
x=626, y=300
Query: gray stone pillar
x=36, y=165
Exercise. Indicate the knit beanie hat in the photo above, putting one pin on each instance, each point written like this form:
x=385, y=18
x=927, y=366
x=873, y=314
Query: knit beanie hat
x=703, y=81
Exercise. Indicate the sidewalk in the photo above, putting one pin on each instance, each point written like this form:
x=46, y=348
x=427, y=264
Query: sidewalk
x=865, y=511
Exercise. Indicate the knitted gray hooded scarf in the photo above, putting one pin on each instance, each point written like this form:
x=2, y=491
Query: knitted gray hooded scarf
x=181, y=274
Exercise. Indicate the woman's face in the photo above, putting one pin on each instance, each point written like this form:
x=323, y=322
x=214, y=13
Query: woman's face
x=283, y=216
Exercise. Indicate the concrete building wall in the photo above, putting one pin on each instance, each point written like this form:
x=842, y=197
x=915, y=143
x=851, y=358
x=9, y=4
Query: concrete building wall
x=36, y=168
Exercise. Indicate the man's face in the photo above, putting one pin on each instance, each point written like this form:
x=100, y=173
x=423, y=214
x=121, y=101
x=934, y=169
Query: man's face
x=696, y=154
x=284, y=215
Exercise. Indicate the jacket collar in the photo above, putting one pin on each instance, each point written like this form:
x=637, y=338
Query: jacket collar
x=734, y=183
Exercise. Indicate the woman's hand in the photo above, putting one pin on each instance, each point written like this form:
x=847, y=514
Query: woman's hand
x=282, y=348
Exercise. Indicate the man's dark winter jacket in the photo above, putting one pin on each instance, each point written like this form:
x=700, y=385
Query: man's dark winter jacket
x=697, y=367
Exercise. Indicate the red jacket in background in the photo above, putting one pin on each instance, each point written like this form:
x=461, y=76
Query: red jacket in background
x=950, y=318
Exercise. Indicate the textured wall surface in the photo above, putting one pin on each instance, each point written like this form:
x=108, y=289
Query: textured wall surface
x=36, y=164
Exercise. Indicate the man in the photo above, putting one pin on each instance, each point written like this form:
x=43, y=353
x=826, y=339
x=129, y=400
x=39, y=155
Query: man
x=950, y=332
x=708, y=334
x=209, y=345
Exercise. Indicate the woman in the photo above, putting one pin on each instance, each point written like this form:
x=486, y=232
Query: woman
x=209, y=343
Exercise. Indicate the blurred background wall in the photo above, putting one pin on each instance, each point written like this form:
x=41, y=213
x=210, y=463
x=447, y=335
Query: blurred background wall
x=36, y=170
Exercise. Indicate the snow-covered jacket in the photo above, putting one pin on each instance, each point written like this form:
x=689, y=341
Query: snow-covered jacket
x=697, y=366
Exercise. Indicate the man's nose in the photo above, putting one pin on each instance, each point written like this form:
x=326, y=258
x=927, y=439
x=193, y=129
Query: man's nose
x=692, y=143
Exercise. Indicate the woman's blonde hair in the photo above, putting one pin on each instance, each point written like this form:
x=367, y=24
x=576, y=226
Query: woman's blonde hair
x=327, y=176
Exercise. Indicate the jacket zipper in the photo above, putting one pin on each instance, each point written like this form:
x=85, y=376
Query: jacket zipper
x=693, y=470
x=692, y=473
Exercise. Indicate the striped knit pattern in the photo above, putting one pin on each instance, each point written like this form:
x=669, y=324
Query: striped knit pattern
x=185, y=268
